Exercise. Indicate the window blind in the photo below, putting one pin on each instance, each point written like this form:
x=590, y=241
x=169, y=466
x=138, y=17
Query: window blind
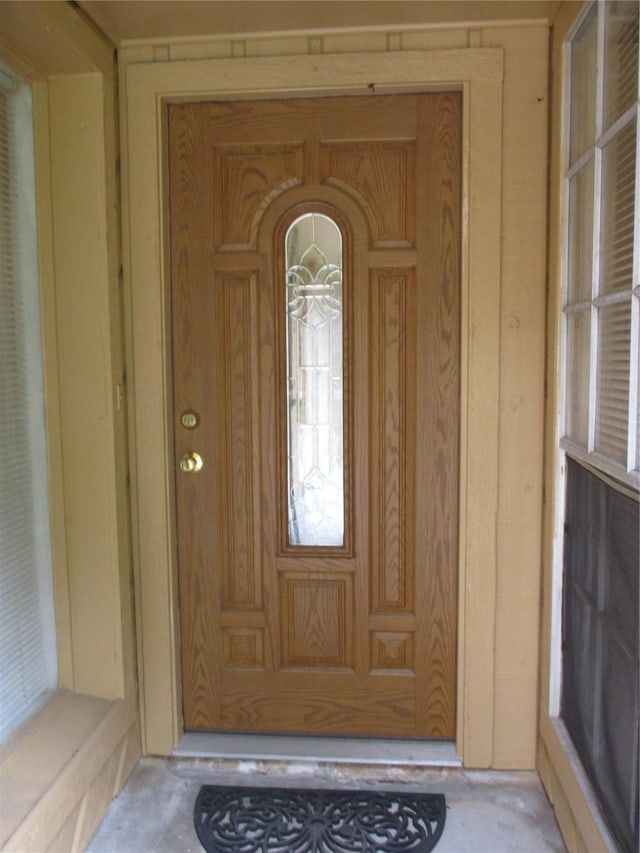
x=602, y=294
x=27, y=626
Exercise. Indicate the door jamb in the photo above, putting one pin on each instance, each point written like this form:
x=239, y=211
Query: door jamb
x=478, y=73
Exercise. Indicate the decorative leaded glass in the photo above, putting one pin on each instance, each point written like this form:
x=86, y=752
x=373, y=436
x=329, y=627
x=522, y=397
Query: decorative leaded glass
x=313, y=248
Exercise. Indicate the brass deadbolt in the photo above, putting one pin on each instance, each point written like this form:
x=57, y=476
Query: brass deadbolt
x=189, y=420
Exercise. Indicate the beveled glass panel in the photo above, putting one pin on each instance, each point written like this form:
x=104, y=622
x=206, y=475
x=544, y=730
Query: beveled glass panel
x=621, y=58
x=315, y=478
x=580, y=270
x=578, y=348
x=583, y=87
x=618, y=203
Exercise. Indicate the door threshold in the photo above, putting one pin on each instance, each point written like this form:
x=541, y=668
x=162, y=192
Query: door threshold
x=333, y=750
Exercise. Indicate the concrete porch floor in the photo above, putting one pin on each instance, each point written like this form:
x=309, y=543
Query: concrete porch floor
x=487, y=811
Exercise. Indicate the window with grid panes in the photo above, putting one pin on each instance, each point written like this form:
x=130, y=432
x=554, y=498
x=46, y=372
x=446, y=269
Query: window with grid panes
x=601, y=320
x=601, y=301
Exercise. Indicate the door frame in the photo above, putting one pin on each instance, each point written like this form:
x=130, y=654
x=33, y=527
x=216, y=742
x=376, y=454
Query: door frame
x=478, y=73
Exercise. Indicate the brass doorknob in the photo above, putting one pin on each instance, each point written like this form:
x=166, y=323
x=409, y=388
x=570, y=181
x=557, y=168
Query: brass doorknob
x=191, y=463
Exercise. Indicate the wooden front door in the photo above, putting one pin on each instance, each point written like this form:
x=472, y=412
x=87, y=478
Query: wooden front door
x=339, y=616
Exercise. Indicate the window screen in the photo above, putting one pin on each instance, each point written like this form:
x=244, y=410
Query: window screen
x=600, y=643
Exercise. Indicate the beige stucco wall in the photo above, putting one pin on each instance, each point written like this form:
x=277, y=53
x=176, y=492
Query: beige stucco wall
x=503, y=337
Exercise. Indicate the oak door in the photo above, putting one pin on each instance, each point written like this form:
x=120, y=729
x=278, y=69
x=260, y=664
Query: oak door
x=315, y=263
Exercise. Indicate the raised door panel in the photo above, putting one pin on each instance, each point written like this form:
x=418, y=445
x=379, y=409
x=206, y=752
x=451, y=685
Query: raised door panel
x=247, y=178
x=316, y=616
x=381, y=177
x=235, y=331
x=392, y=420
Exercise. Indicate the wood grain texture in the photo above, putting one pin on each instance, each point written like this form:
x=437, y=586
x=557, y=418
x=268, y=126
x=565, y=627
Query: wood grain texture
x=235, y=311
x=246, y=179
x=353, y=640
x=243, y=647
x=191, y=223
x=280, y=702
x=438, y=412
x=316, y=613
x=382, y=178
x=393, y=316
x=392, y=651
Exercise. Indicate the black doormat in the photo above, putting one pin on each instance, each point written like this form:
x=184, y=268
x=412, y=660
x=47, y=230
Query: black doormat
x=279, y=820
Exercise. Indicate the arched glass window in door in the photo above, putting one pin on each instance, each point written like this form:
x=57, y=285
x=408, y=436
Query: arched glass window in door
x=313, y=250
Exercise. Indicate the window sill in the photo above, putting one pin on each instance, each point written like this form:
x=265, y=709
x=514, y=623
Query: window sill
x=49, y=766
x=569, y=790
